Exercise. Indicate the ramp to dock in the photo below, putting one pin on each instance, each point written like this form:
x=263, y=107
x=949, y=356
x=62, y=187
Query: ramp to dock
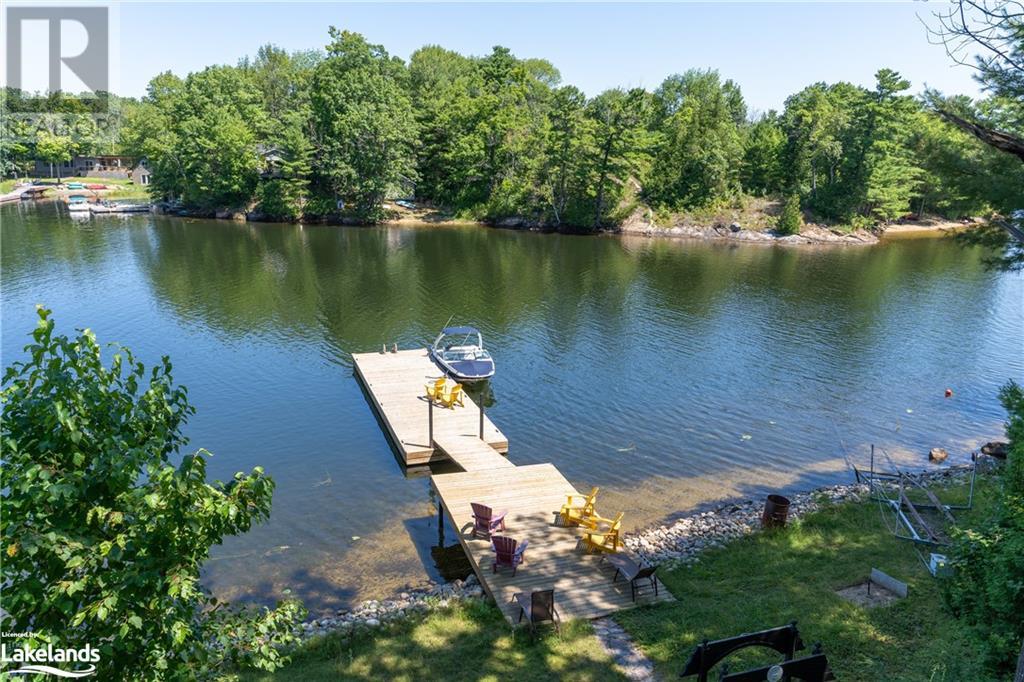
x=396, y=384
x=532, y=495
x=471, y=453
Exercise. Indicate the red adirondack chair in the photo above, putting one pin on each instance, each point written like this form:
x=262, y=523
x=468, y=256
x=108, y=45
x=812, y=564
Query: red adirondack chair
x=508, y=552
x=485, y=520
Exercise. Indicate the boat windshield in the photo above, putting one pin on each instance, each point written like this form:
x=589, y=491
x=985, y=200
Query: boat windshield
x=455, y=353
x=459, y=337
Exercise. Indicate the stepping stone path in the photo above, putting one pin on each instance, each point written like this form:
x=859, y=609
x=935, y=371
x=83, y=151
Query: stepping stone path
x=623, y=651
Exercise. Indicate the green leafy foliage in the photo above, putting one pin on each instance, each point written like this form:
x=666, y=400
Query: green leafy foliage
x=499, y=138
x=987, y=590
x=699, y=120
x=363, y=124
x=892, y=173
x=103, y=535
x=791, y=219
x=762, y=172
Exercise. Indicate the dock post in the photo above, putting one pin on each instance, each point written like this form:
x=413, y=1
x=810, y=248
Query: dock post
x=482, y=418
x=440, y=524
x=430, y=422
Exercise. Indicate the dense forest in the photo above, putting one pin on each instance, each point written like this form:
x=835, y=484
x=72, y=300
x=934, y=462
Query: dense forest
x=336, y=133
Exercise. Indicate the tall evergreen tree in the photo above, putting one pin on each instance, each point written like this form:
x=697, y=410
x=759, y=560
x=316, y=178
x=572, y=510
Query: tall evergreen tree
x=363, y=126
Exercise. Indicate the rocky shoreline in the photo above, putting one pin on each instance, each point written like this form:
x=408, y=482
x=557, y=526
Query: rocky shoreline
x=637, y=225
x=681, y=541
x=641, y=223
x=810, y=234
x=374, y=613
x=676, y=543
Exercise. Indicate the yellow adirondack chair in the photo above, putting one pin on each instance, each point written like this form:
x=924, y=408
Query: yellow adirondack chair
x=435, y=389
x=452, y=396
x=578, y=508
x=607, y=539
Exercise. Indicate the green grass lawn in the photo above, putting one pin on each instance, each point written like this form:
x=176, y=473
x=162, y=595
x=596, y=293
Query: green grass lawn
x=7, y=186
x=769, y=579
x=471, y=641
x=123, y=188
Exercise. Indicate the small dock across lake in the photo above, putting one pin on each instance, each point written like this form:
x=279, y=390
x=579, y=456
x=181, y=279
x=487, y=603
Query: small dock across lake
x=532, y=494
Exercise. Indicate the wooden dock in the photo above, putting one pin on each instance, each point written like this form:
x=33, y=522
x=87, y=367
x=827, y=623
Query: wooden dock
x=532, y=495
x=396, y=384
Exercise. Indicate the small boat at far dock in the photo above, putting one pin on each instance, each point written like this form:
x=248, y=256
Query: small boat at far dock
x=460, y=353
x=78, y=203
x=119, y=207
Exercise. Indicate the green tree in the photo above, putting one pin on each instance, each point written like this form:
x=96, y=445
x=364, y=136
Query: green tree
x=823, y=145
x=54, y=149
x=221, y=162
x=103, y=535
x=17, y=136
x=364, y=131
x=791, y=219
x=701, y=150
x=892, y=174
x=283, y=194
x=150, y=132
x=511, y=122
x=443, y=87
x=563, y=179
x=282, y=80
x=987, y=588
x=762, y=159
x=619, y=145
x=990, y=37
x=200, y=137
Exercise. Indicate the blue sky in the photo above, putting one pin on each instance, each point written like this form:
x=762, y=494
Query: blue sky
x=771, y=49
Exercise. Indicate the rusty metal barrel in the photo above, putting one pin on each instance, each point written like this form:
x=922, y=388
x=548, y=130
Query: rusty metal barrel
x=776, y=509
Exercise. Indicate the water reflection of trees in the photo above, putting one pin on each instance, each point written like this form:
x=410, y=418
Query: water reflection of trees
x=39, y=233
x=365, y=286
x=360, y=287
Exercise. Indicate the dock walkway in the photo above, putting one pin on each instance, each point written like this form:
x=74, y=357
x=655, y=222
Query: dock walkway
x=396, y=385
x=471, y=453
x=531, y=495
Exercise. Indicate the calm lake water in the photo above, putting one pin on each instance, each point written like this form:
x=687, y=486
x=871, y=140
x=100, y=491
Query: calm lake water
x=670, y=373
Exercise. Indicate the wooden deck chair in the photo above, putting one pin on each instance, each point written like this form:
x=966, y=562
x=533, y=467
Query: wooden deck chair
x=452, y=396
x=485, y=521
x=436, y=389
x=604, y=539
x=578, y=508
x=508, y=553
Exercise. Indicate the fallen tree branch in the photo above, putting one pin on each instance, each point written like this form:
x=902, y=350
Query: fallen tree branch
x=994, y=138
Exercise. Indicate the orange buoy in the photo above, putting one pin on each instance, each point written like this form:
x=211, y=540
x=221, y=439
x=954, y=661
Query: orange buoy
x=949, y=393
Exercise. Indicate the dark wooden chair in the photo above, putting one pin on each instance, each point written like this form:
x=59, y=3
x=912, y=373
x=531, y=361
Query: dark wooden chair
x=485, y=520
x=538, y=607
x=638, y=577
x=508, y=553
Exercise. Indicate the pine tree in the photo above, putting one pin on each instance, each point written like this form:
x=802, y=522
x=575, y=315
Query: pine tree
x=791, y=219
